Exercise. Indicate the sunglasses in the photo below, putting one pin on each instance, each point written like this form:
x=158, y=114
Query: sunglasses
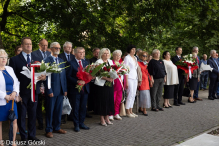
x=144, y=55
x=56, y=48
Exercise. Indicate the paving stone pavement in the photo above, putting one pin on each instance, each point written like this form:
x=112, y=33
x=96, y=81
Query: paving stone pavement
x=161, y=128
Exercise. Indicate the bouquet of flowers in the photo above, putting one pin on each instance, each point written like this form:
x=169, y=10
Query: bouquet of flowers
x=87, y=74
x=121, y=69
x=187, y=64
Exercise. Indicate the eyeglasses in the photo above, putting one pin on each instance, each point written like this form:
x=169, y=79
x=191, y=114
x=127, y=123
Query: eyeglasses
x=144, y=55
x=56, y=48
x=3, y=57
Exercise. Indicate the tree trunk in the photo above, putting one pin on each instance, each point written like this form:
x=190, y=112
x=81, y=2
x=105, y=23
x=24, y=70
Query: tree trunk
x=1, y=43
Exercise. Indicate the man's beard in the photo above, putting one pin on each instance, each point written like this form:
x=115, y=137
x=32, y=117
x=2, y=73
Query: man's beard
x=57, y=53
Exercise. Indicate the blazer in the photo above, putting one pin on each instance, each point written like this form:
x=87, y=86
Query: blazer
x=180, y=71
x=58, y=80
x=72, y=76
x=63, y=57
x=38, y=54
x=98, y=81
x=16, y=85
x=133, y=67
x=17, y=63
x=214, y=73
x=196, y=73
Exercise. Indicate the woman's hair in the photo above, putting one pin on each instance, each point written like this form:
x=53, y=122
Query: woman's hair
x=15, y=51
x=3, y=52
x=102, y=51
x=165, y=54
x=130, y=47
x=142, y=53
x=117, y=52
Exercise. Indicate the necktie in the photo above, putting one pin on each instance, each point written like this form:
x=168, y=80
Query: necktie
x=28, y=60
x=56, y=60
x=180, y=57
x=44, y=55
x=80, y=64
x=68, y=57
x=197, y=60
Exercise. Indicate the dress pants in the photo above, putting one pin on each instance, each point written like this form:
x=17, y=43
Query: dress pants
x=91, y=97
x=156, y=92
x=53, y=112
x=204, y=80
x=117, y=100
x=131, y=92
x=39, y=113
x=178, y=90
x=79, y=108
x=29, y=107
x=212, y=87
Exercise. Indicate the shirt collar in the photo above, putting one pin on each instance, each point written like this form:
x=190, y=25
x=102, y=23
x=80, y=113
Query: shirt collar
x=178, y=56
x=66, y=53
x=42, y=51
x=78, y=60
x=25, y=54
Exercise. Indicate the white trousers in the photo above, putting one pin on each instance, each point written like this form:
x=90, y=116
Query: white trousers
x=131, y=92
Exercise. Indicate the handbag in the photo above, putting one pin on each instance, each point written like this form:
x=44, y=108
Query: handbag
x=122, y=111
x=66, y=109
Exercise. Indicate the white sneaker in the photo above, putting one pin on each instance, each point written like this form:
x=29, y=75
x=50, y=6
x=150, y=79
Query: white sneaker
x=130, y=116
x=134, y=115
x=111, y=118
x=117, y=117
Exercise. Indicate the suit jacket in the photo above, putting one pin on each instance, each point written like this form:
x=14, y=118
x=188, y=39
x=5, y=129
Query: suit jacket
x=17, y=63
x=93, y=60
x=72, y=78
x=38, y=54
x=214, y=73
x=58, y=80
x=180, y=71
x=63, y=57
x=16, y=85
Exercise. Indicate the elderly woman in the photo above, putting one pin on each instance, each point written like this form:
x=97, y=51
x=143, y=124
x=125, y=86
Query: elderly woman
x=104, y=97
x=144, y=88
x=194, y=80
x=9, y=88
x=131, y=80
x=172, y=79
x=118, y=87
x=157, y=71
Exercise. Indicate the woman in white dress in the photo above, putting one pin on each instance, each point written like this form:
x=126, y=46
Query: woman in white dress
x=172, y=79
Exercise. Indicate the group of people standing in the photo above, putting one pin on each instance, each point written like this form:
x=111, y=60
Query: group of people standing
x=148, y=74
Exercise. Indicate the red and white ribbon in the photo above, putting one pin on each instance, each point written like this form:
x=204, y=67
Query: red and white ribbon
x=33, y=81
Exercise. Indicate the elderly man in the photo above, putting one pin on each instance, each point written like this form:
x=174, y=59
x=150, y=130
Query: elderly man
x=79, y=98
x=54, y=95
x=204, y=75
x=66, y=55
x=138, y=51
x=195, y=96
x=214, y=75
x=178, y=89
x=42, y=53
x=25, y=58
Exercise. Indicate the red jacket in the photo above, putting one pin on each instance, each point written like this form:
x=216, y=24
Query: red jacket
x=145, y=77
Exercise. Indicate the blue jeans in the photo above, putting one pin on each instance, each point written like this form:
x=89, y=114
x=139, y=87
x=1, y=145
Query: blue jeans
x=203, y=80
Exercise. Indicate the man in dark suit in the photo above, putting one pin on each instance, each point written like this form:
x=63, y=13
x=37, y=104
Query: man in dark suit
x=79, y=99
x=214, y=75
x=195, y=95
x=42, y=53
x=95, y=55
x=54, y=95
x=178, y=89
x=26, y=106
x=66, y=56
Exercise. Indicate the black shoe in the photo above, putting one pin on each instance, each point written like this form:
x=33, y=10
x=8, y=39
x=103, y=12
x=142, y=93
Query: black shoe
x=70, y=119
x=215, y=97
x=191, y=101
x=170, y=106
x=160, y=109
x=40, y=127
x=181, y=103
x=88, y=116
x=165, y=106
x=140, y=111
x=33, y=139
x=63, y=122
x=82, y=126
x=210, y=98
x=154, y=109
x=76, y=129
x=145, y=114
x=176, y=104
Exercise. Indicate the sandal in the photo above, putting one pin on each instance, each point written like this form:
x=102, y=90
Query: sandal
x=154, y=109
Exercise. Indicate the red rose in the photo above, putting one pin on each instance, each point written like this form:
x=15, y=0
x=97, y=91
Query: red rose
x=90, y=71
x=105, y=69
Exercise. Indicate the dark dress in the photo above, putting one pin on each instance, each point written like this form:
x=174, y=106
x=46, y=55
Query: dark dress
x=193, y=83
x=4, y=110
x=104, y=100
x=168, y=91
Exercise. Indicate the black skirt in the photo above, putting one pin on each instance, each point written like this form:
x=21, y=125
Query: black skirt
x=168, y=91
x=193, y=83
x=104, y=100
